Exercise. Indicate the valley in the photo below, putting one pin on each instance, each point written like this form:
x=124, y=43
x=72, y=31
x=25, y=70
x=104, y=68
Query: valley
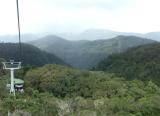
x=85, y=54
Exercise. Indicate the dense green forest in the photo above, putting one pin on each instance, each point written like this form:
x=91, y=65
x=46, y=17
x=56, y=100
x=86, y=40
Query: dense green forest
x=137, y=63
x=54, y=90
x=30, y=55
x=86, y=54
x=124, y=84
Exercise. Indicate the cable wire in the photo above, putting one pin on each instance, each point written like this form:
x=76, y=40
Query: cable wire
x=19, y=31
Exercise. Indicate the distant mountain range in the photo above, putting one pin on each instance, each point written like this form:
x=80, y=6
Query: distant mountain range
x=90, y=34
x=96, y=34
x=30, y=55
x=86, y=54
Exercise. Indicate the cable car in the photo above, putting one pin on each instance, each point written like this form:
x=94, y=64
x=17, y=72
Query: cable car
x=16, y=84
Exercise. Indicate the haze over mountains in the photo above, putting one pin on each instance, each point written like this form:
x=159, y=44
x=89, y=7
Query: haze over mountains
x=14, y=38
x=95, y=34
x=86, y=54
x=90, y=34
x=90, y=47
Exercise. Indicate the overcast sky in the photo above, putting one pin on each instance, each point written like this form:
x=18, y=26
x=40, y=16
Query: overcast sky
x=39, y=16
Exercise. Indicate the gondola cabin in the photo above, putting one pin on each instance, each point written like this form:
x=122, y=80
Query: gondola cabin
x=15, y=84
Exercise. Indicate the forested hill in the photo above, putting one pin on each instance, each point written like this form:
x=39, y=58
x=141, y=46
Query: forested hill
x=54, y=90
x=142, y=62
x=30, y=55
x=86, y=54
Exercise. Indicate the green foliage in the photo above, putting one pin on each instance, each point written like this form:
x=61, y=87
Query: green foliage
x=3, y=82
x=63, y=81
x=2, y=72
x=54, y=90
x=37, y=106
x=137, y=63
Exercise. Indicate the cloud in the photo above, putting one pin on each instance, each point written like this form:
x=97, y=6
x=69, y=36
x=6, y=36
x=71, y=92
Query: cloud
x=107, y=4
x=71, y=15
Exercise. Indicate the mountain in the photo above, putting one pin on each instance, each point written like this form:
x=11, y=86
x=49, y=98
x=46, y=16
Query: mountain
x=96, y=34
x=86, y=54
x=137, y=63
x=30, y=55
x=153, y=35
x=89, y=34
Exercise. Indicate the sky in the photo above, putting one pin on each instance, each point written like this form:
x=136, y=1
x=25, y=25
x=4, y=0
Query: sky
x=72, y=16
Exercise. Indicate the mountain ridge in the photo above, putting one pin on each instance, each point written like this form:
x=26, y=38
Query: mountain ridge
x=88, y=34
x=95, y=34
x=85, y=54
